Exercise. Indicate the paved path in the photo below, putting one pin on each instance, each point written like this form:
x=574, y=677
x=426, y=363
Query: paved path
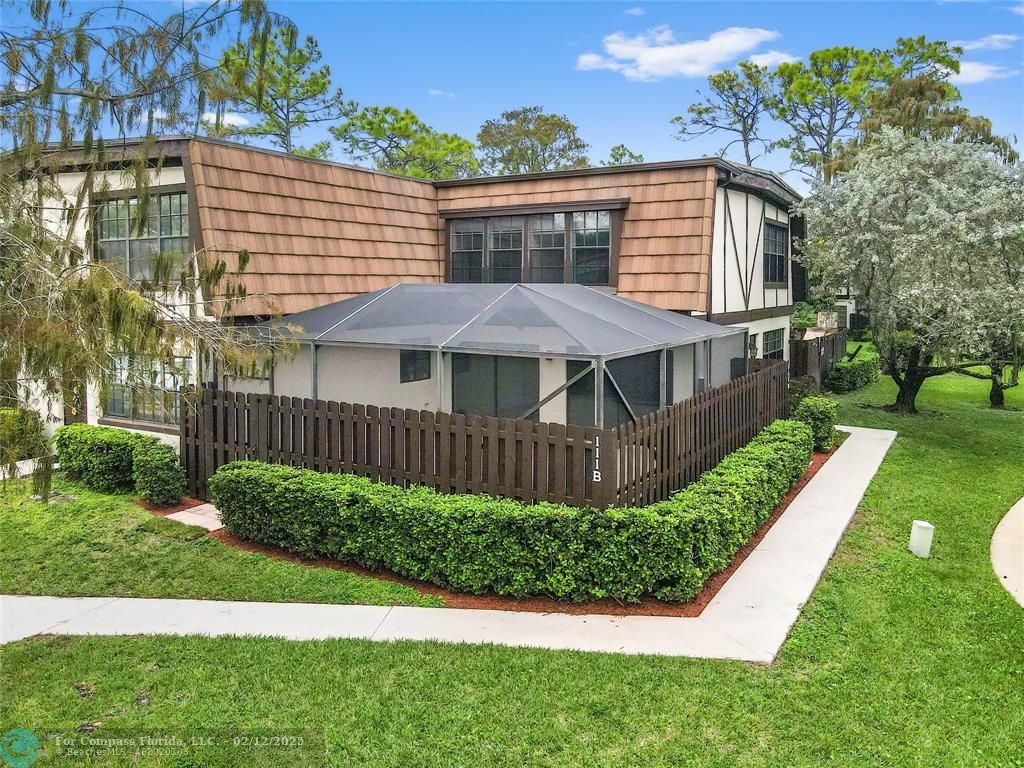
x=748, y=619
x=1008, y=551
x=205, y=516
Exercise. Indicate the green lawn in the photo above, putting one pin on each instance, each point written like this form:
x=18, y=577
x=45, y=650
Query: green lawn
x=107, y=545
x=896, y=661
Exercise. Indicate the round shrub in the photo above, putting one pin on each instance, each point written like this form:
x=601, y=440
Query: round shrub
x=21, y=435
x=100, y=457
x=819, y=413
x=477, y=544
x=158, y=475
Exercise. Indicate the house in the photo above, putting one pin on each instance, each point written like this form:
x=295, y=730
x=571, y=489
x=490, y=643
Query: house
x=539, y=351
x=705, y=239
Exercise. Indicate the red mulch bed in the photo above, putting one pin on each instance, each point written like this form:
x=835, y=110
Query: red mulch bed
x=186, y=503
x=608, y=607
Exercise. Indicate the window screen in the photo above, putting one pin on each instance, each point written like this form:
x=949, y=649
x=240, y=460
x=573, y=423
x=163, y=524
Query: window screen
x=772, y=342
x=493, y=385
x=505, y=249
x=414, y=365
x=776, y=253
x=130, y=235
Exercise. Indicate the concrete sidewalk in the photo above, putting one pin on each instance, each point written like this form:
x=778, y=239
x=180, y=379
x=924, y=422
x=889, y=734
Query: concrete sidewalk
x=747, y=620
x=1007, y=551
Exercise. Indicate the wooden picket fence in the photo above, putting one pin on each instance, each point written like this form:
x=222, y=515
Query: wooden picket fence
x=817, y=357
x=456, y=453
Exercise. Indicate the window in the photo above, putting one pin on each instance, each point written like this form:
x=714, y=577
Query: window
x=129, y=237
x=776, y=254
x=505, y=249
x=414, y=365
x=772, y=341
x=152, y=394
x=541, y=248
x=591, y=247
x=494, y=385
x=547, y=248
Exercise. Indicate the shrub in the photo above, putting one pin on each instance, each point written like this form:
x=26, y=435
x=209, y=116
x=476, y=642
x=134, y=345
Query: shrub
x=848, y=375
x=104, y=459
x=477, y=544
x=21, y=434
x=799, y=388
x=159, y=477
x=819, y=413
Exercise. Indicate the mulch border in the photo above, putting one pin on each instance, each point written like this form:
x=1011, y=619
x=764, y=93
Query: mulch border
x=536, y=604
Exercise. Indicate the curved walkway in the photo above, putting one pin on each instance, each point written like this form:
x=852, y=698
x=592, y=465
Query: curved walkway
x=747, y=620
x=1008, y=551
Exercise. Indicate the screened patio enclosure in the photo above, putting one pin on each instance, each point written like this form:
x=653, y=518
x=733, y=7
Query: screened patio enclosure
x=550, y=352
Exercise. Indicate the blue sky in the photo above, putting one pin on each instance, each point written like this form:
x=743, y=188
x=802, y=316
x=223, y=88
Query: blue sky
x=458, y=64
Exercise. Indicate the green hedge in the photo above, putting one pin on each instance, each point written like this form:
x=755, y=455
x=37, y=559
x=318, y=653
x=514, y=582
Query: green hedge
x=820, y=414
x=477, y=544
x=117, y=461
x=848, y=375
x=21, y=435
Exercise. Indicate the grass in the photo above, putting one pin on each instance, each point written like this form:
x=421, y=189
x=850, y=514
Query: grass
x=895, y=661
x=107, y=545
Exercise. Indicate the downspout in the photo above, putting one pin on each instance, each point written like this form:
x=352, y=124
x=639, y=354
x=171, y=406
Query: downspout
x=314, y=389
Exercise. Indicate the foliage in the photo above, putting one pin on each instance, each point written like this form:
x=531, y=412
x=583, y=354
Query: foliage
x=102, y=545
x=737, y=102
x=861, y=679
x=478, y=544
x=100, y=458
x=620, y=154
x=21, y=435
x=528, y=140
x=819, y=413
x=931, y=233
x=158, y=474
x=398, y=141
x=854, y=373
x=800, y=387
x=276, y=77
x=805, y=314
x=96, y=76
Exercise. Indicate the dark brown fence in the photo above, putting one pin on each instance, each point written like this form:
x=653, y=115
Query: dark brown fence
x=817, y=357
x=633, y=464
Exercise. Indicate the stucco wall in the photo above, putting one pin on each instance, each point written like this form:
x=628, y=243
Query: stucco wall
x=682, y=373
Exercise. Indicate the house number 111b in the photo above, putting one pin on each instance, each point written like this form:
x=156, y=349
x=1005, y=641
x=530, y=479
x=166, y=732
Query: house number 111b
x=596, y=475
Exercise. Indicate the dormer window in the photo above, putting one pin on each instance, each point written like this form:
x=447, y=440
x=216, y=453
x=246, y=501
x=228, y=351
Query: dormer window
x=128, y=239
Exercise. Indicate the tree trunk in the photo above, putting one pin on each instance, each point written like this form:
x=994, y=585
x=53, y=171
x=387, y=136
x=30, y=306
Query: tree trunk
x=996, y=395
x=905, y=399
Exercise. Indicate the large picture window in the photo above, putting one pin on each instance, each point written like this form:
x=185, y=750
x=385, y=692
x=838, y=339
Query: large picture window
x=540, y=248
x=152, y=395
x=776, y=254
x=127, y=238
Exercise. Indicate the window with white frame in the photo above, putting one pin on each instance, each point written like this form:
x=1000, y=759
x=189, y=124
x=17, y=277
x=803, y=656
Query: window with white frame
x=129, y=235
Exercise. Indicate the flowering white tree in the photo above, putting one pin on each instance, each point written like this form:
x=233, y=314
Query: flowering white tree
x=931, y=233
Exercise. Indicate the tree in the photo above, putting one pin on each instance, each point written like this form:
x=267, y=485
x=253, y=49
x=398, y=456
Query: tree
x=620, y=154
x=932, y=234
x=277, y=78
x=926, y=107
x=397, y=141
x=527, y=140
x=823, y=100
x=737, y=102
x=65, y=317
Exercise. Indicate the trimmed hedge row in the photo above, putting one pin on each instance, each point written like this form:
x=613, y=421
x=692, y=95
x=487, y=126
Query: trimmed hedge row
x=848, y=375
x=114, y=460
x=477, y=544
x=820, y=414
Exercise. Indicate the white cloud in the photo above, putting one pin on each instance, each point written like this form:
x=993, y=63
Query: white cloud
x=1018, y=9
x=439, y=92
x=995, y=42
x=232, y=119
x=978, y=72
x=635, y=11
x=656, y=53
x=772, y=59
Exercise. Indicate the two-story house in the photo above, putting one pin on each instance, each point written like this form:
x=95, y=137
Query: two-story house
x=687, y=242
